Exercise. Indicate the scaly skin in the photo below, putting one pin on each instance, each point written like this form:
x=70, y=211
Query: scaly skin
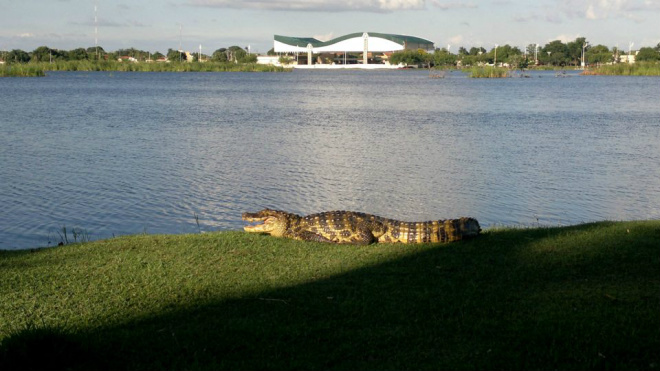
x=349, y=227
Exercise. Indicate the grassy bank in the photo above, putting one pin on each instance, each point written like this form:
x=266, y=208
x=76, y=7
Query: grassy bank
x=20, y=70
x=44, y=67
x=583, y=297
x=488, y=72
x=625, y=69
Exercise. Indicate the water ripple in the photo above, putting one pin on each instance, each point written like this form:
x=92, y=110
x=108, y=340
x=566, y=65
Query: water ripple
x=113, y=158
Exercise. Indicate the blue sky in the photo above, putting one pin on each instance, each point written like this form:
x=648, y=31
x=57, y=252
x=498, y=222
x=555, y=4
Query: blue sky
x=155, y=25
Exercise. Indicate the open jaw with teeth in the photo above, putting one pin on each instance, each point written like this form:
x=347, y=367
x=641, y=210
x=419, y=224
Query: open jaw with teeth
x=263, y=224
x=267, y=221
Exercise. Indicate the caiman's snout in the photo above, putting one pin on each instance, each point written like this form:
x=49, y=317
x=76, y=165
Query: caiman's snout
x=259, y=227
x=267, y=221
x=254, y=217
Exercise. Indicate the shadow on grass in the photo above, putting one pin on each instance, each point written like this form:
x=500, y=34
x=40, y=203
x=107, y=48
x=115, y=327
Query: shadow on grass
x=497, y=302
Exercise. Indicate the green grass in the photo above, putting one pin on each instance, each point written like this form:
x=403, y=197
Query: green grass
x=625, y=69
x=582, y=297
x=488, y=72
x=20, y=70
x=40, y=68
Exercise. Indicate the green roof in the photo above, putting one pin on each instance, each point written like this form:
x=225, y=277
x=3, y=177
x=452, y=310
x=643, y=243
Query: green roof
x=304, y=41
x=297, y=41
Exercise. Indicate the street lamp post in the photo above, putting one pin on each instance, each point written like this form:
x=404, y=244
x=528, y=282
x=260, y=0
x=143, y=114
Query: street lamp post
x=536, y=54
x=630, y=50
x=583, y=47
x=495, y=61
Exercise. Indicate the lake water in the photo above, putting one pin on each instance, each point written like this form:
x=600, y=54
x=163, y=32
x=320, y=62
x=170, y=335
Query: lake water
x=124, y=153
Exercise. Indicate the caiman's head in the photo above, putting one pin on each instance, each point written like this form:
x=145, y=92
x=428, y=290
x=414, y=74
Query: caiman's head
x=274, y=222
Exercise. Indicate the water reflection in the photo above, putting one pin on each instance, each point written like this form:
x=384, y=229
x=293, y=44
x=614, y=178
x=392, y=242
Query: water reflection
x=115, y=158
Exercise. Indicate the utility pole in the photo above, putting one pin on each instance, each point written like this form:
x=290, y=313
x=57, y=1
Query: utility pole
x=630, y=50
x=96, y=30
x=536, y=55
x=495, y=61
x=616, y=55
x=180, y=50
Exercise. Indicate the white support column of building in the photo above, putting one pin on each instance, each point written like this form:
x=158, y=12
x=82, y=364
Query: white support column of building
x=365, y=60
x=309, y=54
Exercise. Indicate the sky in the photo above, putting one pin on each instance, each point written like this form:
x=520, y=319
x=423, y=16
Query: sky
x=154, y=25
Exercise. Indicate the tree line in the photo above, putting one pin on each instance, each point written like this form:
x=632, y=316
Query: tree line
x=555, y=53
x=234, y=54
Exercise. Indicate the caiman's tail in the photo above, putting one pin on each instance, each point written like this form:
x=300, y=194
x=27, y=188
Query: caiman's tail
x=448, y=230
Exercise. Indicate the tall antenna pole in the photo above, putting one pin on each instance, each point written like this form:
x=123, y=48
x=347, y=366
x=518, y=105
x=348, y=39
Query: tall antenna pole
x=96, y=30
x=180, y=50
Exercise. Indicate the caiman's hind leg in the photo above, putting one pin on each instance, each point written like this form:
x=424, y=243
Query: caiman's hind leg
x=359, y=236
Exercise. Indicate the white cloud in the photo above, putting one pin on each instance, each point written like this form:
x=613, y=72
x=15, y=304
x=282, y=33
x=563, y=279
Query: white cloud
x=558, y=11
x=315, y=5
x=107, y=23
x=607, y=9
x=565, y=38
x=455, y=40
x=453, y=5
x=25, y=35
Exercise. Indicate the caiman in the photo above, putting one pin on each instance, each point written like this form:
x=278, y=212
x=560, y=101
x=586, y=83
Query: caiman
x=349, y=227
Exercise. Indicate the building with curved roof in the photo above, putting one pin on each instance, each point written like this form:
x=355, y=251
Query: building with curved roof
x=365, y=43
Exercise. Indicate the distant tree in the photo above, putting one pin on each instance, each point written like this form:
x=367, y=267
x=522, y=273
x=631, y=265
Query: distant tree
x=647, y=54
x=574, y=50
x=157, y=55
x=41, y=54
x=235, y=54
x=132, y=52
x=657, y=47
x=463, y=51
x=219, y=55
x=531, y=51
x=442, y=57
x=17, y=56
x=175, y=55
x=477, y=51
x=95, y=53
x=518, y=61
x=271, y=52
x=554, y=53
x=78, y=54
x=598, y=54
x=504, y=53
x=468, y=60
x=248, y=58
x=409, y=57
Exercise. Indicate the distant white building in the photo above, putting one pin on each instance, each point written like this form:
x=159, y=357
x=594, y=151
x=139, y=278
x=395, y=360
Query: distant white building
x=628, y=58
x=373, y=47
x=126, y=58
x=269, y=59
